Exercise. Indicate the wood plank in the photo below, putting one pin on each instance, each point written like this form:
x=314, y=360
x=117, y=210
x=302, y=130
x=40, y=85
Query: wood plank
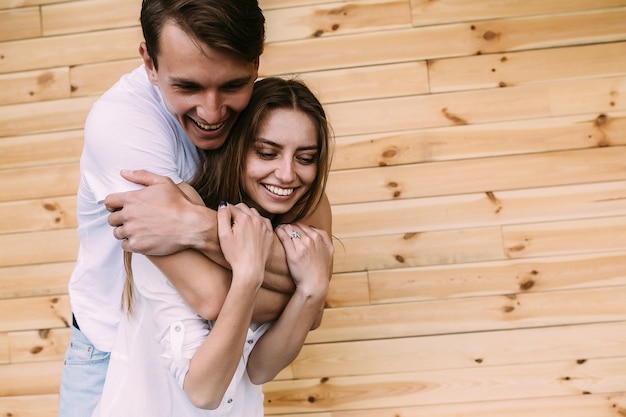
x=89, y=16
x=38, y=248
x=53, y=115
x=368, y=82
x=348, y=51
x=39, y=182
x=6, y=4
x=64, y=50
x=275, y=4
x=45, y=405
x=37, y=215
x=457, y=386
x=600, y=405
x=34, y=378
x=337, y=18
x=35, y=280
x=36, y=313
x=599, y=199
x=414, y=248
x=30, y=86
x=95, y=79
x=565, y=98
x=41, y=149
x=39, y=345
x=543, y=31
x=472, y=314
x=452, y=40
x=348, y=289
x=556, y=238
x=461, y=351
x=20, y=23
x=478, y=175
x=473, y=141
x=5, y=356
x=519, y=68
x=491, y=278
x=427, y=12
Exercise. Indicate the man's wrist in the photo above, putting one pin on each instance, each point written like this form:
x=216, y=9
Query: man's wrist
x=203, y=233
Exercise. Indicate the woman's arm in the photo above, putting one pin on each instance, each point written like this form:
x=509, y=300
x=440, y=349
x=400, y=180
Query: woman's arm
x=310, y=259
x=246, y=247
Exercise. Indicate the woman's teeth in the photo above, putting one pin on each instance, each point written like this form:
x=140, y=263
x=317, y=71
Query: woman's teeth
x=278, y=191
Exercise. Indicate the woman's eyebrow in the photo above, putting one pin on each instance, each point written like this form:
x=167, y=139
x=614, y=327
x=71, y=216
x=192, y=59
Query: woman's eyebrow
x=277, y=145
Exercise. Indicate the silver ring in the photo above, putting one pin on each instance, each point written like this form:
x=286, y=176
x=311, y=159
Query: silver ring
x=295, y=234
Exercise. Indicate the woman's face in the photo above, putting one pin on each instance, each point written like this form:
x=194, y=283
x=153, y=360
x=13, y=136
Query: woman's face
x=281, y=163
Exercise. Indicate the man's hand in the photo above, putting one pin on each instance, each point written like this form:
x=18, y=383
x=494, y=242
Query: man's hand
x=159, y=219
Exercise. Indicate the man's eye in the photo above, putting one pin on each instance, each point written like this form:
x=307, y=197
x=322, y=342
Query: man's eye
x=234, y=87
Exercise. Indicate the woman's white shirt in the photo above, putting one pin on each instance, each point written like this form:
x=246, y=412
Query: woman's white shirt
x=152, y=353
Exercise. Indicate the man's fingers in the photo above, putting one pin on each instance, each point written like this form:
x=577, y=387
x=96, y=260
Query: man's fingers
x=115, y=219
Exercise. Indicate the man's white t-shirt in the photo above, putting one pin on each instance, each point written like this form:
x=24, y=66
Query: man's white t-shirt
x=127, y=128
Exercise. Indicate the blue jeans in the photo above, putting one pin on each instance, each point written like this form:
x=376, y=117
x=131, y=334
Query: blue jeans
x=84, y=370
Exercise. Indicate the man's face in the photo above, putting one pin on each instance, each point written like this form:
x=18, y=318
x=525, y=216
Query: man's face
x=204, y=88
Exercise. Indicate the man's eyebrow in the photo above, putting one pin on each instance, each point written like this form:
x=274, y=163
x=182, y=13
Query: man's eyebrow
x=180, y=80
x=185, y=81
x=240, y=80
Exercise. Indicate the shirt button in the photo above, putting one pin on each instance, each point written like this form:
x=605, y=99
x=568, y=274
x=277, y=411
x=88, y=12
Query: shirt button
x=250, y=341
x=177, y=329
x=230, y=400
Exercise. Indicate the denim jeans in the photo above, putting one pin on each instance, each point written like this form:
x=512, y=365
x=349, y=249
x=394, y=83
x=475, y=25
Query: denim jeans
x=84, y=370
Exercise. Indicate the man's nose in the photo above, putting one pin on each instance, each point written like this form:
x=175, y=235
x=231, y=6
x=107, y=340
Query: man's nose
x=210, y=107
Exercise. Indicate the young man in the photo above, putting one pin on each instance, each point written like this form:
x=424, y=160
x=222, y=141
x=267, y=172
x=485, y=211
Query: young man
x=200, y=62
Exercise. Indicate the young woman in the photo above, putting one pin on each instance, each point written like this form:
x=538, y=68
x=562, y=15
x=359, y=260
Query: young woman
x=274, y=166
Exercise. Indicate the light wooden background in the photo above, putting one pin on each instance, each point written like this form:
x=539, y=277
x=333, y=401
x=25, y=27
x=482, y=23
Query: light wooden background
x=478, y=191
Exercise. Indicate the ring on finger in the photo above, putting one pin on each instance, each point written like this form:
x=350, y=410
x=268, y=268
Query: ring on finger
x=295, y=234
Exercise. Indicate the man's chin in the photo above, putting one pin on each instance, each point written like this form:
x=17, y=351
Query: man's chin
x=210, y=145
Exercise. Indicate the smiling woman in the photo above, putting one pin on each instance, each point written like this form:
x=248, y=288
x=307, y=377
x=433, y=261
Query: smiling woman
x=281, y=163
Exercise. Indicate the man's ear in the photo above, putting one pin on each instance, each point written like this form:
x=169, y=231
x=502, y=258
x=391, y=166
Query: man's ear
x=256, y=67
x=148, y=62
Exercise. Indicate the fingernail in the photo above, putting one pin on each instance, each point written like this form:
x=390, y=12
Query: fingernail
x=222, y=204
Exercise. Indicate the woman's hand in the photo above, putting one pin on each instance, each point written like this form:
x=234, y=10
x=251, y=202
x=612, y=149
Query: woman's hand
x=245, y=237
x=309, y=254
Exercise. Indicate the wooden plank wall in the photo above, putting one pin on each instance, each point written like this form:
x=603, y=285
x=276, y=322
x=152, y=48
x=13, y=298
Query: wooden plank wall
x=478, y=191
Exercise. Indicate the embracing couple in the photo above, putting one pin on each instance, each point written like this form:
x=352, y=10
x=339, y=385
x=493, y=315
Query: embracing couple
x=216, y=181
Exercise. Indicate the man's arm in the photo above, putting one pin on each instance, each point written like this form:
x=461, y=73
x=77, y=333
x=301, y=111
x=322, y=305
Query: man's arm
x=160, y=219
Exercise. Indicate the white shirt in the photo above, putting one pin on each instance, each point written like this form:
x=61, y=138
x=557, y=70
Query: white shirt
x=152, y=353
x=127, y=128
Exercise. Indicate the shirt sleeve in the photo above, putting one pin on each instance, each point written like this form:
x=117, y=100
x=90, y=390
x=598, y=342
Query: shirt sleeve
x=122, y=134
x=180, y=331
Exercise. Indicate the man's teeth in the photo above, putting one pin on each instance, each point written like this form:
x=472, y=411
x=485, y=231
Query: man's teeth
x=208, y=127
x=278, y=190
